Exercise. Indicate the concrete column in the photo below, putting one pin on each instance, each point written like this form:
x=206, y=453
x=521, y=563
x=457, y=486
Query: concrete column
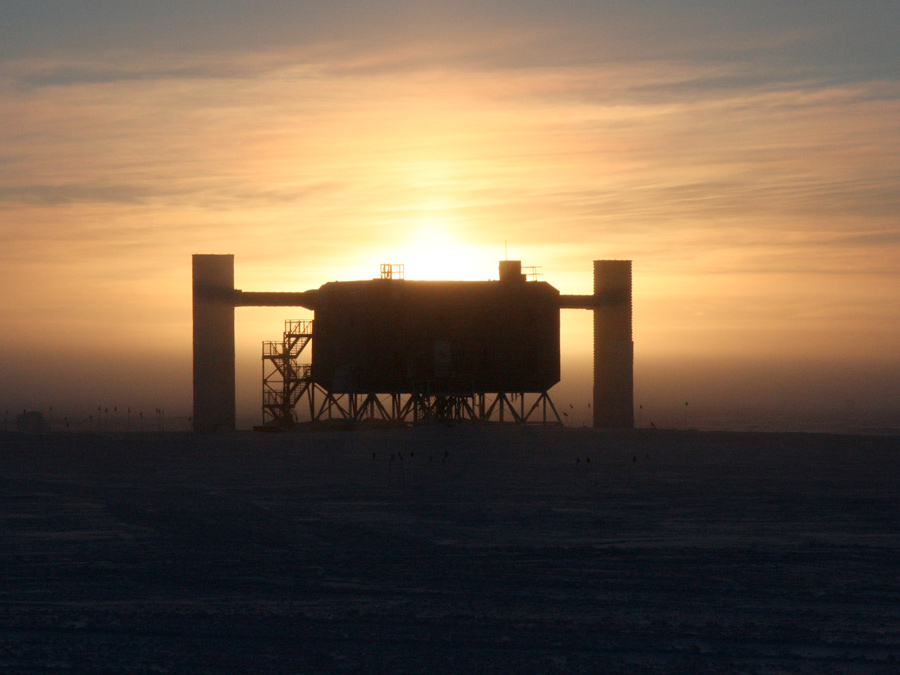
x=613, y=345
x=214, y=391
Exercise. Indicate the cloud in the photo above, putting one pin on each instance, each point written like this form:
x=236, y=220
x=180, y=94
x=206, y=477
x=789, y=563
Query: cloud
x=69, y=75
x=397, y=35
x=74, y=193
x=223, y=197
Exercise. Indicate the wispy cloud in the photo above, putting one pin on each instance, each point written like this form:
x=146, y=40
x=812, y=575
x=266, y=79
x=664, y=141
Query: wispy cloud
x=59, y=75
x=74, y=193
x=209, y=197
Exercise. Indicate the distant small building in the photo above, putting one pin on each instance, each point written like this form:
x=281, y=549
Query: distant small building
x=31, y=421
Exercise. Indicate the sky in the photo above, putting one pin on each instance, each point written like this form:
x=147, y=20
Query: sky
x=744, y=154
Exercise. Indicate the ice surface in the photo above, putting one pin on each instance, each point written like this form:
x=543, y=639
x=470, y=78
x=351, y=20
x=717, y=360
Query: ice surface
x=450, y=549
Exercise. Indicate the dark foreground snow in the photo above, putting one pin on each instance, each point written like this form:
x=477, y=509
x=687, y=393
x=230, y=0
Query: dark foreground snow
x=465, y=550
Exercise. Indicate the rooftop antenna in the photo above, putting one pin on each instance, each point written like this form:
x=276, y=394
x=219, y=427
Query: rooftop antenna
x=505, y=250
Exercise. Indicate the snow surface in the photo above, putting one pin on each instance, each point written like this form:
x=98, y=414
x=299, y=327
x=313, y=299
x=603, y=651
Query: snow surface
x=450, y=549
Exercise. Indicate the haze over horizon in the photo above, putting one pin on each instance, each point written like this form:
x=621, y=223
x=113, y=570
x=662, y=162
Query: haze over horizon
x=745, y=157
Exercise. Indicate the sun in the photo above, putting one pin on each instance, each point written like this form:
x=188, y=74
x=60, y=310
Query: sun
x=435, y=254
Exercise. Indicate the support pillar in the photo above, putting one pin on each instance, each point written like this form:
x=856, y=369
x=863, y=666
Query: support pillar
x=613, y=345
x=214, y=389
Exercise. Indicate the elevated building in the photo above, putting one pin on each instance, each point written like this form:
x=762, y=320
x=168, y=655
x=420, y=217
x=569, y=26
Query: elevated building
x=440, y=343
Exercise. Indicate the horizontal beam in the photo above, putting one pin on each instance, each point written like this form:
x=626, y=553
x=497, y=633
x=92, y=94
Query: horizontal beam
x=594, y=301
x=307, y=299
x=578, y=301
x=262, y=299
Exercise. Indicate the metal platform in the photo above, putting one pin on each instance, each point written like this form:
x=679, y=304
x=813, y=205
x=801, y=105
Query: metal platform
x=288, y=385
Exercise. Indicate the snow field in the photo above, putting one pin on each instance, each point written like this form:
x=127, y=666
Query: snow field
x=450, y=549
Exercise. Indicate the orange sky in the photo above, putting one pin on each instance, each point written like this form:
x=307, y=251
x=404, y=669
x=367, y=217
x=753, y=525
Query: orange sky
x=749, y=168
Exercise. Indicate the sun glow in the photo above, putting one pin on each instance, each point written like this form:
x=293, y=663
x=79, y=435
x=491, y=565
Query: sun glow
x=435, y=254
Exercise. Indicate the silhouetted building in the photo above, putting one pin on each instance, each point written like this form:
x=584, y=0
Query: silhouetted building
x=613, y=345
x=396, y=336
x=214, y=302
x=451, y=337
